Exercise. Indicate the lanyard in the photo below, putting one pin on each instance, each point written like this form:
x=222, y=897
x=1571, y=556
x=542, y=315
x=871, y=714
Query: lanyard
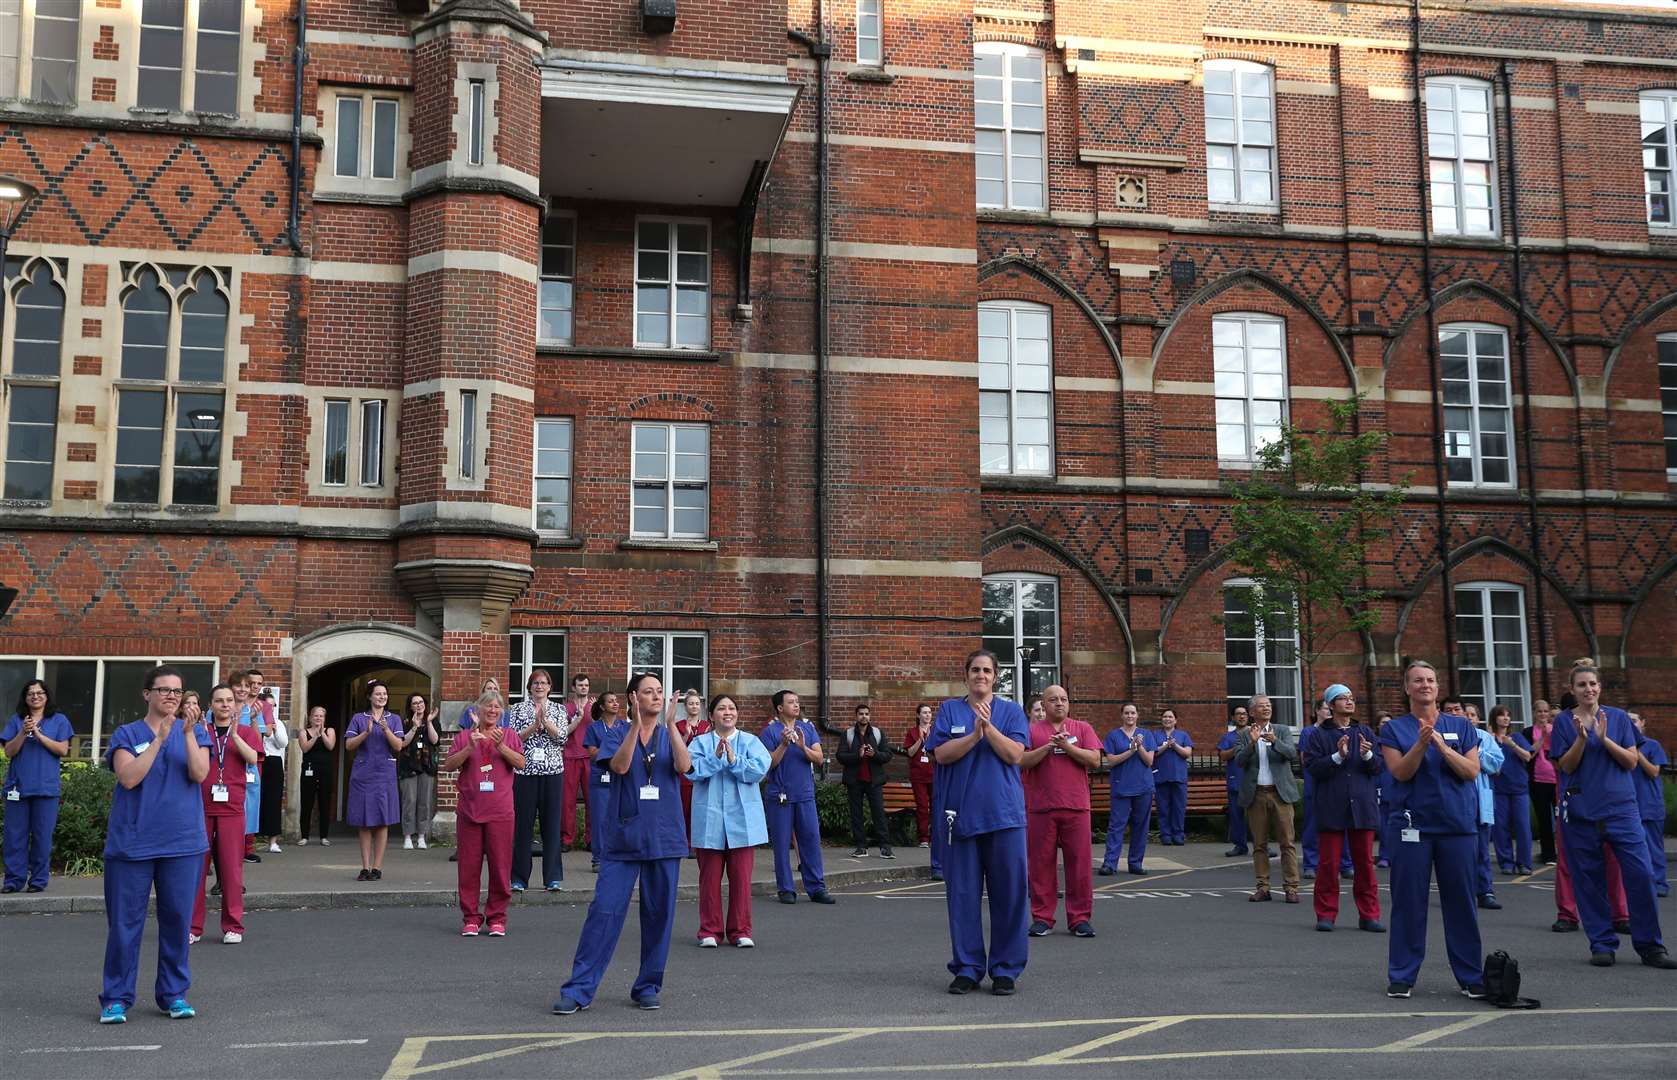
x=221, y=752
x=648, y=755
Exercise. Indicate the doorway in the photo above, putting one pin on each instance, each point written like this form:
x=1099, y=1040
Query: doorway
x=341, y=689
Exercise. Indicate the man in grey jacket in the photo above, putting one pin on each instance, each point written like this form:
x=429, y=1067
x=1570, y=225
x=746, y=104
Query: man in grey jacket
x=1267, y=752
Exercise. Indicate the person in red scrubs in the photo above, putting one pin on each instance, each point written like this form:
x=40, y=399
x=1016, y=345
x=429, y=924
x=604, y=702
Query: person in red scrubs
x=1056, y=774
x=233, y=747
x=486, y=755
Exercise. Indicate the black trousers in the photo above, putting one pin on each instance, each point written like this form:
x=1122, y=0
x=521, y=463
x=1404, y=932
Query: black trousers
x=273, y=794
x=1543, y=805
x=317, y=795
x=533, y=798
x=875, y=794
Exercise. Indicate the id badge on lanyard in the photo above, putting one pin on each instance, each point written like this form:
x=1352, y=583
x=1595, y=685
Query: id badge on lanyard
x=218, y=792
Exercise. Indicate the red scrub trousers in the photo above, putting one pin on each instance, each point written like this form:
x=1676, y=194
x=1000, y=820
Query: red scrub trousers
x=1365, y=890
x=478, y=840
x=1051, y=834
x=227, y=854
x=738, y=863
x=576, y=771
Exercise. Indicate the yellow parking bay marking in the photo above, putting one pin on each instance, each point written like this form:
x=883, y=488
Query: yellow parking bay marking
x=1437, y=1033
x=1523, y=878
x=1058, y=1057
x=406, y=1062
x=706, y=1072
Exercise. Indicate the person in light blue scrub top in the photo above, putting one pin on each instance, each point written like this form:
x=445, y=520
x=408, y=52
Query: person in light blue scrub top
x=1511, y=831
x=36, y=738
x=1650, y=803
x=1490, y=764
x=642, y=838
x=1433, y=759
x=155, y=838
x=1594, y=750
x=1128, y=754
x=978, y=742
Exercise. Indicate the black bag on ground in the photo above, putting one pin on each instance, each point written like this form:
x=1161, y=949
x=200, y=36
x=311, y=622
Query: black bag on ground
x=1502, y=983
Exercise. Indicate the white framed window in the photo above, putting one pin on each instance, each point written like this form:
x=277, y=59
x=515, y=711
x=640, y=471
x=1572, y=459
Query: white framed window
x=100, y=694
x=1240, y=133
x=1010, y=122
x=32, y=371
x=372, y=442
x=1015, y=388
x=1659, y=145
x=1478, y=414
x=47, y=72
x=1260, y=656
x=365, y=134
x=680, y=660
x=1249, y=374
x=671, y=482
x=335, y=451
x=672, y=284
x=476, y=102
x=1022, y=611
x=1491, y=638
x=531, y=649
x=1666, y=345
x=171, y=388
x=1461, y=157
x=468, y=434
x=551, y=482
x=869, y=36
x=557, y=299
x=189, y=56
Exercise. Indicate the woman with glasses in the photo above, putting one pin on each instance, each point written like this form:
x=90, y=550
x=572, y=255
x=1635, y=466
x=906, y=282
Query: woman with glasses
x=36, y=737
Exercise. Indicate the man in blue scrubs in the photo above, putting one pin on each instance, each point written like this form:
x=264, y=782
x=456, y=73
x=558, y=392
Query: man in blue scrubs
x=155, y=837
x=1433, y=759
x=1650, y=802
x=794, y=748
x=978, y=742
x=1594, y=750
x=1128, y=753
x=642, y=836
x=1232, y=773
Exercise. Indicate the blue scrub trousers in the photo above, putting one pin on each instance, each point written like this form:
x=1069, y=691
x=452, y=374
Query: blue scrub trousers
x=1655, y=830
x=1173, y=811
x=1237, y=822
x=1136, y=813
x=996, y=861
x=1584, y=856
x=799, y=818
x=128, y=888
x=1511, y=831
x=1483, y=884
x=28, y=838
x=604, y=925
x=1413, y=865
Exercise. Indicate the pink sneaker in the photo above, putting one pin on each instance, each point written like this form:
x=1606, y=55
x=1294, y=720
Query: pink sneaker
x=497, y=929
x=469, y=930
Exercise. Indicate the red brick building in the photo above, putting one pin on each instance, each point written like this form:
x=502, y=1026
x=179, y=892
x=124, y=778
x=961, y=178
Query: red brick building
x=807, y=346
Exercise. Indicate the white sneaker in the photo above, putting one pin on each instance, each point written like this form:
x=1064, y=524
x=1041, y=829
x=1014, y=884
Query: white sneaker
x=407, y=843
x=707, y=943
x=421, y=841
x=232, y=937
x=745, y=943
x=273, y=846
x=193, y=939
x=304, y=842
x=325, y=842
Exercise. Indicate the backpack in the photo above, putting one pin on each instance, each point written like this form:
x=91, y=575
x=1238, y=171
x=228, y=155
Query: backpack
x=1502, y=983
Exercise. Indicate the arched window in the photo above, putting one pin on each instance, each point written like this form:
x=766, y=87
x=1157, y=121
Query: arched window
x=1240, y=134
x=1491, y=635
x=1249, y=373
x=32, y=398
x=1011, y=126
x=1015, y=388
x=1022, y=611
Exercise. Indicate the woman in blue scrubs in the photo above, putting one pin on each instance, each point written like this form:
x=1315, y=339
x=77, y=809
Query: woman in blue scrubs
x=607, y=713
x=1594, y=749
x=1511, y=828
x=642, y=837
x=977, y=742
x=36, y=738
x=1434, y=763
x=155, y=837
x=1650, y=798
x=1128, y=755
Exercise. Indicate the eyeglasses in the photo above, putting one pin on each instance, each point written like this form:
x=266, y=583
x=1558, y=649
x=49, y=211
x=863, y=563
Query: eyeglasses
x=37, y=692
x=166, y=691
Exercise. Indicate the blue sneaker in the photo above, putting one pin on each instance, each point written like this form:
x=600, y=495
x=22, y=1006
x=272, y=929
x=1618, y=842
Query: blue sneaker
x=555, y=886
x=180, y=1010
x=114, y=1013
x=565, y=1006
x=518, y=886
x=648, y=1000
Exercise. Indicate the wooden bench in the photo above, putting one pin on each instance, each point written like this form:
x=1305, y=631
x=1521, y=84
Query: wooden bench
x=1206, y=795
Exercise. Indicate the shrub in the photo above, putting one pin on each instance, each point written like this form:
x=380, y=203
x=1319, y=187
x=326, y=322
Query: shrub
x=78, y=843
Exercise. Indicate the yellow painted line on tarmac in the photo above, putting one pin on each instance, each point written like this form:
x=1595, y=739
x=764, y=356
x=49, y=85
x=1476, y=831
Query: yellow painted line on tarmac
x=1060, y=1056
x=406, y=1062
x=1150, y=878
x=1522, y=879
x=710, y=1072
x=1437, y=1033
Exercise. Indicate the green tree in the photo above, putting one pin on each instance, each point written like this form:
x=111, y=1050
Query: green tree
x=1302, y=525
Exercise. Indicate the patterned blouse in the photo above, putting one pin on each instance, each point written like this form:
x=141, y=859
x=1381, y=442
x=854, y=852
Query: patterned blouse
x=544, y=755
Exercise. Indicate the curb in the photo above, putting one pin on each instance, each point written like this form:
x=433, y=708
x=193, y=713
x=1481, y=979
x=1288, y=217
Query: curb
x=41, y=904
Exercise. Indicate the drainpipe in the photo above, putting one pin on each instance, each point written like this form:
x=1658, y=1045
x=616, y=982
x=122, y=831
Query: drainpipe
x=293, y=228
x=1521, y=337
x=1423, y=192
x=821, y=51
